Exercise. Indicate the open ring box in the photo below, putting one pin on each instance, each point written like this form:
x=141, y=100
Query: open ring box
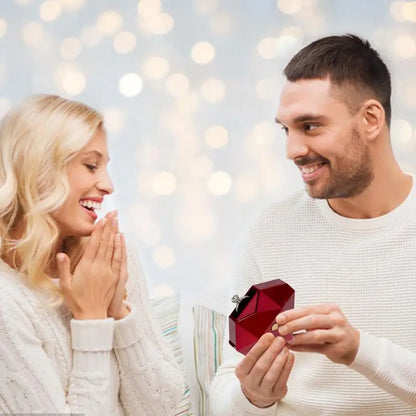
x=255, y=313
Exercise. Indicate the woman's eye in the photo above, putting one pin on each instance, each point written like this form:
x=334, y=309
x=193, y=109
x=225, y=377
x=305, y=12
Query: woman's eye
x=91, y=167
x=285, y=129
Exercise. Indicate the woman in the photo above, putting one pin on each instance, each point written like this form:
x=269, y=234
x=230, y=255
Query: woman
x=69, y=341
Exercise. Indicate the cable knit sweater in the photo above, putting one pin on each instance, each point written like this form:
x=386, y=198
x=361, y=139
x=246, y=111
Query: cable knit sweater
x=50, y=363
x=368, y=268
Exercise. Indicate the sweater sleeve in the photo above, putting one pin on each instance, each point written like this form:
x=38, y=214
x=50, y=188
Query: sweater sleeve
x=226, y=396
x=28, y=380
x=151, y=382
x=388, y=366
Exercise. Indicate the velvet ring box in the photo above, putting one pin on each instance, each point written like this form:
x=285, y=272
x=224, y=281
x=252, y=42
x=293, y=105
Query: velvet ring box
x=256, y=311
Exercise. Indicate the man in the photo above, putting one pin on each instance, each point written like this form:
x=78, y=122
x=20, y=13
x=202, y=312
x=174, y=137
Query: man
x=347, y=246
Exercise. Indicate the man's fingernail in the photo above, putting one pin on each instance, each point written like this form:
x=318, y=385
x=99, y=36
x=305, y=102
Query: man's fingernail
x=283, y=330
x=280, y=319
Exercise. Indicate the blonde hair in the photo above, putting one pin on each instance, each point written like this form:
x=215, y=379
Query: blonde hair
x=37, y=140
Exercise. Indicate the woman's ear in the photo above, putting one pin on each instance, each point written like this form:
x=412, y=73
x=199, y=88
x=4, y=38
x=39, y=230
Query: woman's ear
x=373, y=118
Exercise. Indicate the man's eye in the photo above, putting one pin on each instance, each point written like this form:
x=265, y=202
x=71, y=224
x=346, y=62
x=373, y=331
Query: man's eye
x=310, y=127
x=285, y=129
x=92, y=168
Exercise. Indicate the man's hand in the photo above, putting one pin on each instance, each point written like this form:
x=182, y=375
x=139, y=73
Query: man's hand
x=327, y=332
x=264, y=371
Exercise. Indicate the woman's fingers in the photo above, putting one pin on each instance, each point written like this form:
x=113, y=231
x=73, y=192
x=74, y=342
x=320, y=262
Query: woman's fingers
x=117, y=254
x=94, y=241
x=103, y=244
x=64, y=271
x=123, y=269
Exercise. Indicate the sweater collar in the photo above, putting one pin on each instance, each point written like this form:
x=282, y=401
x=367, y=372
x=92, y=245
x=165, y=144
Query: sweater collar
x=367, y=224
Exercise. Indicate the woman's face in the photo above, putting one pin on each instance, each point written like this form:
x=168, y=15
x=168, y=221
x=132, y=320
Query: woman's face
x=89, y=182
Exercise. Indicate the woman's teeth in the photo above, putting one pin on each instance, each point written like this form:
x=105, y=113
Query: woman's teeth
x=91, y=205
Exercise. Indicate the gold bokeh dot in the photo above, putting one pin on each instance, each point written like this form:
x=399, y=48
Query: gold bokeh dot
x=124, y=42
x=50, y=10
x=203, y=53
x=156, y=67
x=130, y=84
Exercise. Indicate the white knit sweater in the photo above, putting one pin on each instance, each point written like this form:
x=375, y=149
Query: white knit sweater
x=368, y=268
x=50, y=363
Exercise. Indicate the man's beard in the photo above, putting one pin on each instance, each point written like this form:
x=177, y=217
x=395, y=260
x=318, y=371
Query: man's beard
x=349, y=174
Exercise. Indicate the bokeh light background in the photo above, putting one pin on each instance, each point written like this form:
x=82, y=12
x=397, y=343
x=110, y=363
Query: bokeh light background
x=189, y=90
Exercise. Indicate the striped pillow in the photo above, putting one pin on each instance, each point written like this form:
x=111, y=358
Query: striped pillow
x=208, y=338
x=166, y=311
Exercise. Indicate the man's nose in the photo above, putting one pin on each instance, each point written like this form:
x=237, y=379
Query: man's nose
x=295, y=146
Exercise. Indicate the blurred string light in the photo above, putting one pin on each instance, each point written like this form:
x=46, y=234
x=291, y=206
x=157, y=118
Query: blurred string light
x=72, y=5
x=109, y=22
x=203, y=53
x=401, y=131
x=114, y=119
x=130, y=84
x=152, y=20
x=289, y=6
x=164, y=257
x=164, y=183
x=200, y=167
x=70, y=79
x=3, y=27
x=33, y=33
x=195, y=224
x=267, y=89
x=188, y=103
x=403, y=11
x=216, y=137
x=219, y=183
x=404, y=46
x=186, y=143
x=70, y=48
x=206, y=6
x=50, y=10
x=177, y=84
x=149, y=8
x=162, y=291
x=279, y=47
x=124, y=42
x=263, y=133
x=213, y=90
x=90, y=36
x=160, y=24
x=156, y=67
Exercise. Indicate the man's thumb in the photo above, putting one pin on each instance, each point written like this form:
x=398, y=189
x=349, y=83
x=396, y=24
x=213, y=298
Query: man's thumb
x=64, y=270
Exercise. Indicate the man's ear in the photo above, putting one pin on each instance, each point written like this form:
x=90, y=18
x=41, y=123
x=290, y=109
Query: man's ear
x=373, y=118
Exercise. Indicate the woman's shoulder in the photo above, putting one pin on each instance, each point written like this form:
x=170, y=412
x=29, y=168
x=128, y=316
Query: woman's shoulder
x=14, y=291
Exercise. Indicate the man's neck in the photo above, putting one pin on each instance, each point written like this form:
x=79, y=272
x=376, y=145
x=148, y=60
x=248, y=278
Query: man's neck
x=385, y=193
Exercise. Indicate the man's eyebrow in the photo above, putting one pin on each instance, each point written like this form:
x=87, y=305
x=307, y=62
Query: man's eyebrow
x=303, y=117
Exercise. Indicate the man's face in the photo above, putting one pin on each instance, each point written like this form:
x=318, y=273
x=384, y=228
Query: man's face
x=323, y=139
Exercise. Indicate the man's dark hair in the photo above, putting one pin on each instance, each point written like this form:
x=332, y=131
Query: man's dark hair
x=346, y=60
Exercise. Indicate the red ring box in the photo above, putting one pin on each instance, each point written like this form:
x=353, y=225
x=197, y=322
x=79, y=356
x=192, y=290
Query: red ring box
x=256, y=312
